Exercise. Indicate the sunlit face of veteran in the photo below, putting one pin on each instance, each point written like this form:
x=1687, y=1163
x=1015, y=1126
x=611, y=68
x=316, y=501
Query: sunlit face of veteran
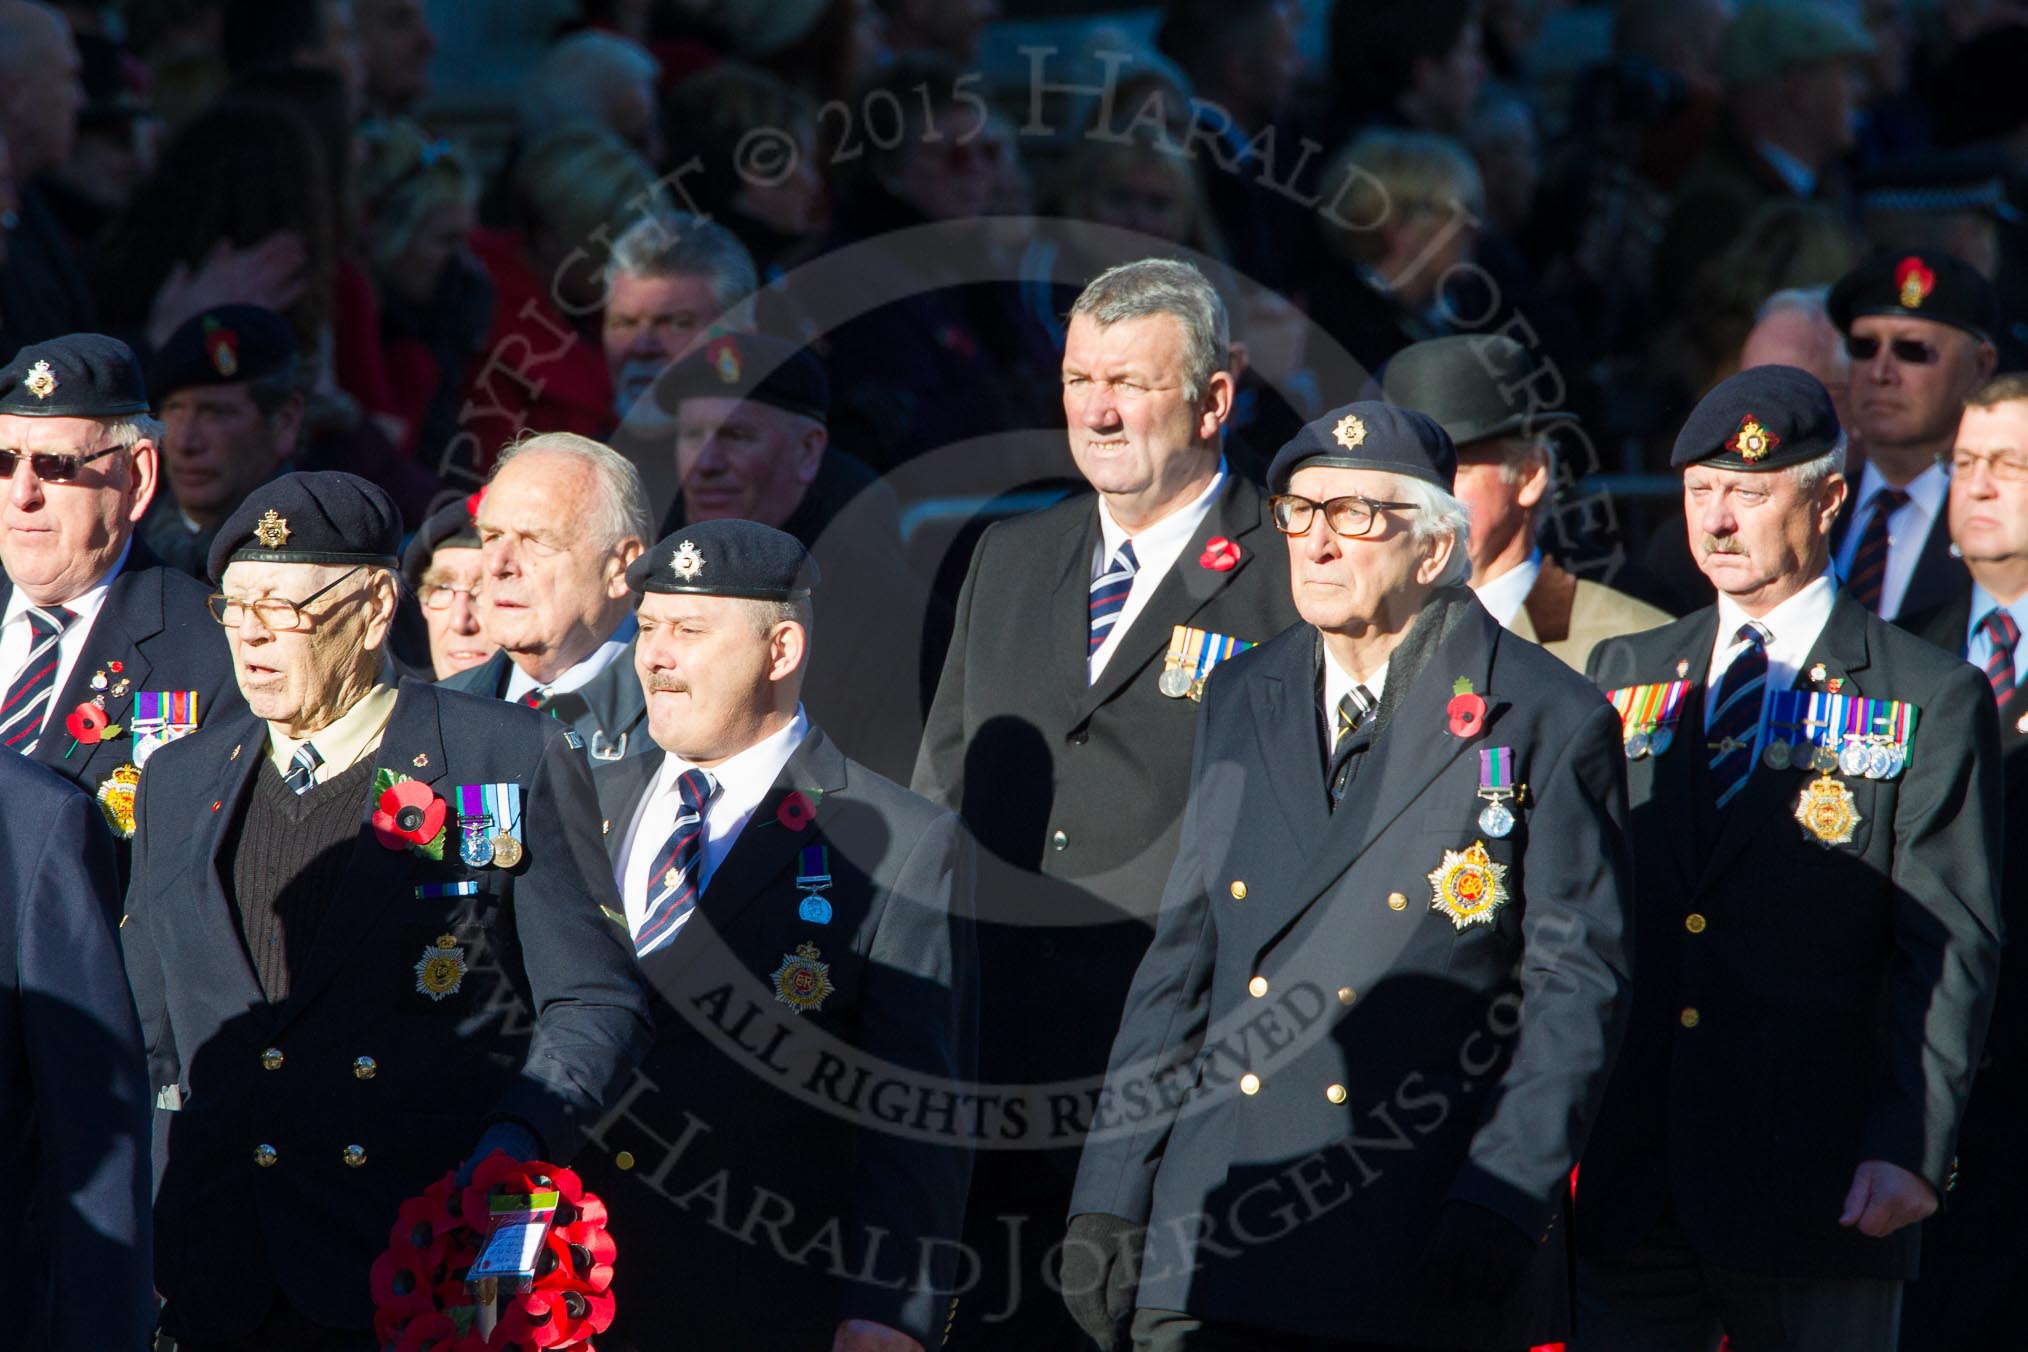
x=300, y=679
x=720, y=673
x=1760, y=536
x=1369, y=584
x=58, y=539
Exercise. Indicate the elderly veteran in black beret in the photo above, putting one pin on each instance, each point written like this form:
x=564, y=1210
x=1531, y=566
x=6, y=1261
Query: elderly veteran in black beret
x=1486, y=391
x=367, y=936
x=805, y=925
x=443, y=566
x=226, y=388
x=105, y=654
x=1389, y=976
x=1919, y=327
x=752, y=443
x=1816, y=808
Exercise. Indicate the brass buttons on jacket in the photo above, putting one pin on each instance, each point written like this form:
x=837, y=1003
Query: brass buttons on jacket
x=355, y=1155
x=1336, y=1093
x=1396, y=902
x=624, y=1160
x=1694, y=923
x=265, y=1156
x=272, y=1058
x=1249, y=1083
x=365, y=1068
x=1257, y=987
x=1689, y=1018
x=1346, y=995
x=1059, y=841
x=1238, y=890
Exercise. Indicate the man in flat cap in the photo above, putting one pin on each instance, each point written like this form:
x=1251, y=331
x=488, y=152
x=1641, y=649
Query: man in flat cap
x=105, y=654
x=225, y=386
x=805, y=925
x=1919, y=327
x=559, y=522
x=1061, y=732
x=752, y=443
x=444, y=567
x=74, y=1250
x=1388, y=980
x=368, y=935
x=1816, y=806
x=1485, y=391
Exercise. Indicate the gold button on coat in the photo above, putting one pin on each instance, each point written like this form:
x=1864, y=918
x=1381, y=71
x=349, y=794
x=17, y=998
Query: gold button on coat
x=624, y=1160
x=1694, y=923
x=265, y=1155
x=1689, y=1018
x=1336, y=1093
x=365, y=1068
x=1249, y=1083
x=1238, y=890
x=1257, y=987
x=1346, y=995
x=271, y=1059
x=1396, y=902
x=355, y=1155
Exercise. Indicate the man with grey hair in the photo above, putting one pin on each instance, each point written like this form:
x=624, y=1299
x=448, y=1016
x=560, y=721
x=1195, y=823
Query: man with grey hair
x=600, y=77
x=1062, y=727
x=671, y=282
x=92, y=626
x=558, y=523
x=1326, y=1123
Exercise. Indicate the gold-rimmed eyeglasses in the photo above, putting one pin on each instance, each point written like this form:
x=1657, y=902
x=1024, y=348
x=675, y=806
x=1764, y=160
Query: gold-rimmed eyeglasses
x=276, y=613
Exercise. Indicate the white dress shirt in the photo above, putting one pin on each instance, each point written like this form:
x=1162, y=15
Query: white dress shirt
x=1504, y=596
x=520, y=682
x=1337, y=684
x=1907, y=530
x=16, y=642
x=743, y=781
x=1155, y=552
x=1978, y=647
x=1792, y=628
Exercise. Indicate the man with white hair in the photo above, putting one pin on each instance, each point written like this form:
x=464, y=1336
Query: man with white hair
x=560, y=521
x=1326, y=1123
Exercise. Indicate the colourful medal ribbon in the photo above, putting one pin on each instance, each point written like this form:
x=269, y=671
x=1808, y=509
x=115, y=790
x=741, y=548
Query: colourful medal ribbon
x=1496, y=770
x=148, y=707
x=505, y=800
x=816, y=867
x=471, y=801
x=1672, y=701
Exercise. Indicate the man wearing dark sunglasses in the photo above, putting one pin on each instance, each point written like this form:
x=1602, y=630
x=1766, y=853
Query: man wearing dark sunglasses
x=1918, y=326
x=92, y=627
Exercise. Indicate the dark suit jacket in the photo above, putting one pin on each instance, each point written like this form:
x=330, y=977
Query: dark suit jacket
x=834, y=1130
x=1076, y=790
x=608, y=713
x=546, y=1023
x=1938, y=577
x=155, y=624
x=1974, y=1270
x=1842, y=991
x=74, y=1248
x=1314, y=1059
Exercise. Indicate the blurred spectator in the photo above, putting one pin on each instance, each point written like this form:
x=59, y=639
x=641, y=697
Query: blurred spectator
x=947, y=28
x=541, y=367
x=115, y=148
x=1793, y=328
x=435, y=301
x=444, y=568
x=823, y=49
x=395, y=47
x=1501, y=136
x=1953, y=200
x=1406, y=63
x=1141, y=186
x=1402, y=210
x=778, y=211
x=1792, y=73
x=671, y=282
x=43, y=293
x=182, y=43
x=598, y=78
x=263, y=37
x=226, y=389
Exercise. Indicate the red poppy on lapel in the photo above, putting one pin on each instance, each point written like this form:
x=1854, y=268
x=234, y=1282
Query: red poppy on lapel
x=1466, y=710
x=1220, y=555
x=796, y=811
x=88, y=723
x=408, y=815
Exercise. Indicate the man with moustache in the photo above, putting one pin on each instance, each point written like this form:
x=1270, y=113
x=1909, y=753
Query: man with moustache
x=1061, y=732
x=1919, y=328
x=1970, y=1290
x=1388, y=980
x=330, y=938
x=443, y=565
x=802, y=921
x=1816, y=805
x=559, y=522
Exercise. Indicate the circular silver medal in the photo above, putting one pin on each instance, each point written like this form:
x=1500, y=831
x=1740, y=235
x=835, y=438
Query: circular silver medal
x=1637, y=745
x=1496, y=820
x=1175, y=682
x=1879, y=760
x=1824, y=759
x=475, y=849
x=1778, y=756
x=1897, y=761
x=1852, y=760
x=1659, y=740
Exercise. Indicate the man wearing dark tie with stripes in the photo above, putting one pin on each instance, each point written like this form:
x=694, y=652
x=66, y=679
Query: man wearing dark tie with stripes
x=1816, y=815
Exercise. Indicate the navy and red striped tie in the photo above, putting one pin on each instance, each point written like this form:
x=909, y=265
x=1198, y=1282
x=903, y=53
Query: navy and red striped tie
x=1869, y=564
x=1109, y=595
x=27, y=703
x=2003, y=634
x=1735, y=718
x=673, y=882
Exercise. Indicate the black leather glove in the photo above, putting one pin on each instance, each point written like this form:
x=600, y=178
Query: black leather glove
x=1476, y=1256
x=1101, y=1272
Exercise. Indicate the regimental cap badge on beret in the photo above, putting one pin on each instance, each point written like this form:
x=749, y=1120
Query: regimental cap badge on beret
x=688, y=563
x=221, y=345
x=1350, y=432
x=40, y=380
x=1752, y=441
x=272, y=530
x=1913, y=282
x=724, y=355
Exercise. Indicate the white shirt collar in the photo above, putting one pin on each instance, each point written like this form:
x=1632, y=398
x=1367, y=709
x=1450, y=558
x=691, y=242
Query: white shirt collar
x=1337, y=682
x=1168, y=535
x=1926, y=490
x=1802, y=180
x=1504, y=595
x=520, y=682
x=85, y=605
x=1791, y=630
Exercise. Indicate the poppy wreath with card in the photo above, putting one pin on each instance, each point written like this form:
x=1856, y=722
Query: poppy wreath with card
x=421, y=1302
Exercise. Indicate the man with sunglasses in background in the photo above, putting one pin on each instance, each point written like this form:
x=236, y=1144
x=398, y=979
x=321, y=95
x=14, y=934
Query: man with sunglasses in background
x=105, y=653
x=368, y=936
x=1327, y=1125
x=1919, y=327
